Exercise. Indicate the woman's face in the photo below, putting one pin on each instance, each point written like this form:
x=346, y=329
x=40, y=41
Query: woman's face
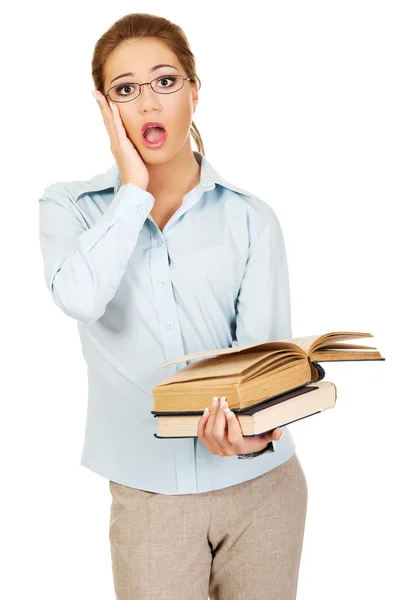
x=174, y=111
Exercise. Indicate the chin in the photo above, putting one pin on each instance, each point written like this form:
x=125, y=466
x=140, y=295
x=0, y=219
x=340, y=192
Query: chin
x=156, y=156
x=152, y=156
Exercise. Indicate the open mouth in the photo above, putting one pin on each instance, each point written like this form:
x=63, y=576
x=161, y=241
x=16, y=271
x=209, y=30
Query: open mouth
x=154, y=134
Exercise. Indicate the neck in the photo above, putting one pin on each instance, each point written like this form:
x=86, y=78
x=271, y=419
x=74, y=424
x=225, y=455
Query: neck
x=175, y=177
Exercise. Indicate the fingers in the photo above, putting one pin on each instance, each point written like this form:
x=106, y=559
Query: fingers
x=276, y=434
x=248, y=444
x=209, y=432
x=219, y=431
x=235, y=433
x=201, y=430
x=112, y=120
x=106, y=113
x=120, y=131
x=222, y=433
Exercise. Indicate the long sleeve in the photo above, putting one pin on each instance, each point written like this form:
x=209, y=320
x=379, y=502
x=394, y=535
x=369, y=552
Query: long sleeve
x=263, y=310
x=263, y=305
x=83, y=267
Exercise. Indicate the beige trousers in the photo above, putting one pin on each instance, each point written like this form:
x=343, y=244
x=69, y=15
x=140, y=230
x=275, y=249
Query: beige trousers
x=242, y=542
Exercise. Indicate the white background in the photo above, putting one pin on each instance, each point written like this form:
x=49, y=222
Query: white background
x=300, y=105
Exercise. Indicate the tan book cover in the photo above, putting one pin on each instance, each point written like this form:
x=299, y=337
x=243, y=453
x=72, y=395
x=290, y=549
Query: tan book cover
x=247, y=375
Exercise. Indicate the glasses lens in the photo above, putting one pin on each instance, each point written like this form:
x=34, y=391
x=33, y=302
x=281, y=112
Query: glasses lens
x=124, y=92
x=167, y=84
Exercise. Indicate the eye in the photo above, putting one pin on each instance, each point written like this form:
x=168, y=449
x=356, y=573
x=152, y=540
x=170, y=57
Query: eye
x=166, y=78
x=125, y=86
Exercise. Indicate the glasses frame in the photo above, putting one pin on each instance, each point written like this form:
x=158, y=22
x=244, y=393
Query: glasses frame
x=148, y=83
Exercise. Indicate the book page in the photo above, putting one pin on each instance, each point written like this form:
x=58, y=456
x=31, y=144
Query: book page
x=306, y=344
x=312, y=342
x=263, y=347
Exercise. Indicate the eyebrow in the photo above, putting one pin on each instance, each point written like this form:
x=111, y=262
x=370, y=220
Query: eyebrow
x=151, y=70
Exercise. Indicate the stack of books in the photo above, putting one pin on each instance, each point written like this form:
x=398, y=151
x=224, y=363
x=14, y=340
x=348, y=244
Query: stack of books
x=267, y=385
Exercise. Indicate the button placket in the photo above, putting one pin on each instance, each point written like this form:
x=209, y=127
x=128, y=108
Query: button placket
x=165, y=302
x=171, y=338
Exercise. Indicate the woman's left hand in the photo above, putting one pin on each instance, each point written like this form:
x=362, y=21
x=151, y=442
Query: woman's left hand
x=222, y=433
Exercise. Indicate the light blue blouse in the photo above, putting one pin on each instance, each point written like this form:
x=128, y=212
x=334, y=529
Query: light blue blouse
x=216, y=276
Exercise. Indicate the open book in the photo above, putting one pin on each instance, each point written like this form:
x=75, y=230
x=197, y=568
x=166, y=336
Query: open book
x=263, y=418
x=247, y=375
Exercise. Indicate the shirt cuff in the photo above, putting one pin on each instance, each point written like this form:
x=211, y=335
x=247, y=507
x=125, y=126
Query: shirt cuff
x=131, y=203
x=269, y=448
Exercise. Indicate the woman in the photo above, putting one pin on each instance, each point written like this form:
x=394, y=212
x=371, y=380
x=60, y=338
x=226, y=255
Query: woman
x=156, y=258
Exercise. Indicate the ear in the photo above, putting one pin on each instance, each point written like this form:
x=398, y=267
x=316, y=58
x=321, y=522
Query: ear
x=195, y=95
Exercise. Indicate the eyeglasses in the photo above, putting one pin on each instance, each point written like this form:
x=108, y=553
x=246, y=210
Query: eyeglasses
x=125, y=92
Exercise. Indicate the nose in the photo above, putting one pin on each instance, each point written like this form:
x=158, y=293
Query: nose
x=148, y=97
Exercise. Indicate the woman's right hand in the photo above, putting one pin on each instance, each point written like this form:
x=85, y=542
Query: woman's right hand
x=130, y=165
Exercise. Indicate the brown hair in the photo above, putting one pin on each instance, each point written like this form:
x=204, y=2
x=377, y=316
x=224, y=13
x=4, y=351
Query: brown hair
x=140, y=25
